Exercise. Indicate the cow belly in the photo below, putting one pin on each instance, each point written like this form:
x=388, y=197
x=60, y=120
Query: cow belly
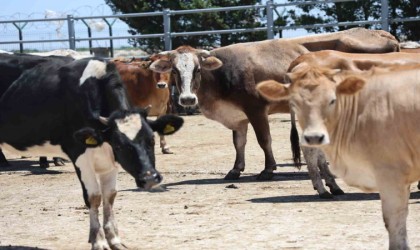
x=355, y=173
x=45, y=149
x=224, y=112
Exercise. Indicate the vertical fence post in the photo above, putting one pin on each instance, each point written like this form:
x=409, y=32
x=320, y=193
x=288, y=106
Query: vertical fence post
x=111, y=43
x=20, y=35
x=384, y=15
x=167, y=29
x=72, y=38
x=89, y=35
x=270, y=20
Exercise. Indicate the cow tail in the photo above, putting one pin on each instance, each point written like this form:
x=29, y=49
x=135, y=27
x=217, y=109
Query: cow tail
x=294, y=141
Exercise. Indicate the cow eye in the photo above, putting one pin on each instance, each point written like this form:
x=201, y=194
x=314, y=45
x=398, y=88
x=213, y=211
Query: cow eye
x=197, y=71
x=332, y=102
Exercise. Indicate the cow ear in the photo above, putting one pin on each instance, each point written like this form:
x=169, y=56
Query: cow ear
x=161, y=66
x=273, y=91
x=211, y=63
x=88, y=137
x=167, y=124
x=351, y=85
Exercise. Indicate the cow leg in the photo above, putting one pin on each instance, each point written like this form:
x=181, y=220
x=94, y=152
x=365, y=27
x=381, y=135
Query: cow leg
x=43, y=162
x=259, y=121
x=3, y=160
x=165, y=148
x=327, y=175
x=108, y=187
x=93, y=197
x=239, y=141
x=311, y=157
x=394, y=199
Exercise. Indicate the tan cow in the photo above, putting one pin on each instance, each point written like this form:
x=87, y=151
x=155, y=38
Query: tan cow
x=368, y=126
x=347, y=61
x=146, y=88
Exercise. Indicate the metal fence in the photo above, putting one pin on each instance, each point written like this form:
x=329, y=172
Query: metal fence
x=72, y=37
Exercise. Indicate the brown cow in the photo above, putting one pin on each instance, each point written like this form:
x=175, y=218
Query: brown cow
x=223, y=82
x=368, y=126
x=146, y=88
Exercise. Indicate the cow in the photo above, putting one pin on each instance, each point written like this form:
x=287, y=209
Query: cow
x=12, y=67
x=146, y=87
x=80, y=111
x=350, y=62
x=410, y=47
x=222, y=82
x=367, y=125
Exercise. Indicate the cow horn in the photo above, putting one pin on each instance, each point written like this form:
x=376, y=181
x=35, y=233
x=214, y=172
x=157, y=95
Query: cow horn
x=203, y=52
x=103, y=120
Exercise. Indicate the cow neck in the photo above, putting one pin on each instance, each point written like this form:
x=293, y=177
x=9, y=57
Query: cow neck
x=343, y=125
x=209, y=88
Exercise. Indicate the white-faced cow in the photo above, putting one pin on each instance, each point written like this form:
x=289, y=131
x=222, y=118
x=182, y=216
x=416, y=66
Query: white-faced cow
x=223, y=82
x=146, y=88
x=367, y=125
x=80, y=111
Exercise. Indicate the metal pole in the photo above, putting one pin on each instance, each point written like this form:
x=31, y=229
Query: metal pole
x=89, y=35
x=20, y=37
x=111, y=43
x=384, y=15
x=72, y=38
x=270, y=20
x=167, y=29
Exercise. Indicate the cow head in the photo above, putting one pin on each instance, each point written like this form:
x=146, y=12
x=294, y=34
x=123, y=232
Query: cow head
x=314, y=96
x=131, y=138
x=186, y=63
x=162, y=79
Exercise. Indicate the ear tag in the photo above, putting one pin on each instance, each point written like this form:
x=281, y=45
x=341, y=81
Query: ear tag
x=91, y=141
x=168, y=129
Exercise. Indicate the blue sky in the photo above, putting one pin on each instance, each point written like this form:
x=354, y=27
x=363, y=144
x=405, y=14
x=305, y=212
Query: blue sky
x=34, y=7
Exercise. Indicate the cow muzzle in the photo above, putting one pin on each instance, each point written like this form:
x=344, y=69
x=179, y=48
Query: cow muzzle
x=188, y=100
x=315, y=139
x=161, y=85
x=149, y=179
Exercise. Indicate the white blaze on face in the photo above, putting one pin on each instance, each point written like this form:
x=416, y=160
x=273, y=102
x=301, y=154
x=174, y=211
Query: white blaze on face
x=185, y=66
x=95, y=69
x=130, y=125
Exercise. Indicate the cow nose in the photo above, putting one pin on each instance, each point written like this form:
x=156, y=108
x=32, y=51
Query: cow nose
x=314, y=139
x=161, y=85
x=149, y=179
x=188, y=101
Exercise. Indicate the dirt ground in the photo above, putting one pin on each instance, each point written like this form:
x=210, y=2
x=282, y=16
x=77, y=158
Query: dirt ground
x=195, y=209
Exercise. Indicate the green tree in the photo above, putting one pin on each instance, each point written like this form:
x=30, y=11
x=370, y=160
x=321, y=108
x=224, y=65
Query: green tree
x=190, y=22
x=359, y=10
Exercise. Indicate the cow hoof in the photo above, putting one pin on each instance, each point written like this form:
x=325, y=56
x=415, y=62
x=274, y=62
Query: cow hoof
x=233, y=175
x=418, y=185
x=265, y=176
x=166, y=151
x=326, y=195
x=58, y=161
x=337, y=192
x=118, y=247
x=44, y=165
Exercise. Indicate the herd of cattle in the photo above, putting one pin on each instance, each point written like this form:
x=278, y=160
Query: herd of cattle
x=354, y=92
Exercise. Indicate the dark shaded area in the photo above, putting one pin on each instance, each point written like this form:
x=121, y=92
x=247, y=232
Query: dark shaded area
x=20, y=248
x=315, y=198
x=32, y=166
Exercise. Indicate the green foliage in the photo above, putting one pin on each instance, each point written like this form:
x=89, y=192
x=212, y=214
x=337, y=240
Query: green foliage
x=360, y=10
x=190, y=22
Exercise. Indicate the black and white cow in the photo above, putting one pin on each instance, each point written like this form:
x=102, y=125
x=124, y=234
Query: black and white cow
x=80, y=111
x=12, y=67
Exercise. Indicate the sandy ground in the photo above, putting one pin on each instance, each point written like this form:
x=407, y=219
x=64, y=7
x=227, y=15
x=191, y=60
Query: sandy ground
x=44, y=208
